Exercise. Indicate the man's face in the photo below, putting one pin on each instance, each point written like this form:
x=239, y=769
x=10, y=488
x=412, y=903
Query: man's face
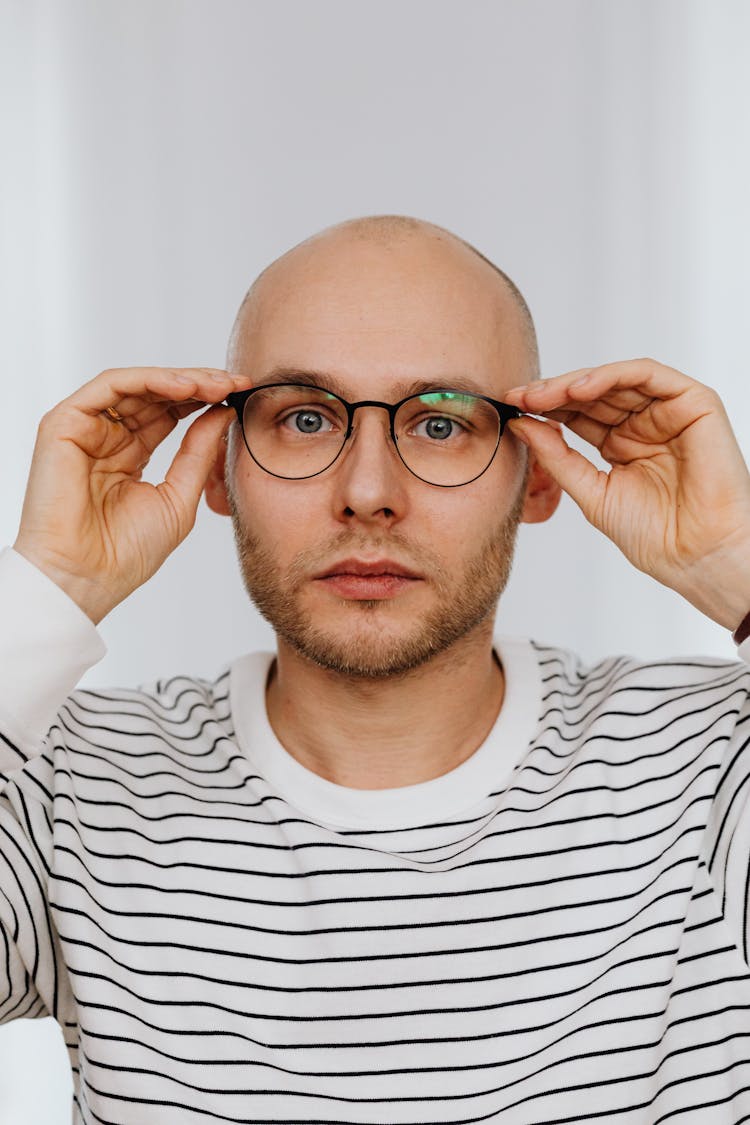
x=378, y=318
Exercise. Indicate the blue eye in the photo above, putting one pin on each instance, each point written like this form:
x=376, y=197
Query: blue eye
x=308, y=422
x=438, y=428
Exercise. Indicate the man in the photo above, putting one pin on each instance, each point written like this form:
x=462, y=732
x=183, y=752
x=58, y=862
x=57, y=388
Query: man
x=394, y=872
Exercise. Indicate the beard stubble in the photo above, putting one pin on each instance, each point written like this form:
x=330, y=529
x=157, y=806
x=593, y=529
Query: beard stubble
x=369, y=650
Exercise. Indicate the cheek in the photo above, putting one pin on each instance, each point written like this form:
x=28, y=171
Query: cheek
x=457, y=518
x=498, y=490
x=281, y=516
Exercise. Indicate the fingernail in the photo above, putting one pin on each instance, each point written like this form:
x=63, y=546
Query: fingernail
x=583, y=379
x=183, y=379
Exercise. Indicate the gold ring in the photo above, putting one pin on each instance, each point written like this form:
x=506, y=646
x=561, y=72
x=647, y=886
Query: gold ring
x=113, y=414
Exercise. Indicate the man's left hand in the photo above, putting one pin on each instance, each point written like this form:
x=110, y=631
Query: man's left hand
x=676, y=500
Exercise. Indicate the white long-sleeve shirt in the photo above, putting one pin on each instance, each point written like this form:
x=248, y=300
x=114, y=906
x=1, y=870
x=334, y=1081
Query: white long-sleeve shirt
x=554, y=931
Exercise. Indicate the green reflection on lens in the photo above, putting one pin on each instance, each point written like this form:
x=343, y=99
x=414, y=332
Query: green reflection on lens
x=443, y=396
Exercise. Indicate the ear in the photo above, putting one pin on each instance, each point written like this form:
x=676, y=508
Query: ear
x=542, y=492
x=215, y=489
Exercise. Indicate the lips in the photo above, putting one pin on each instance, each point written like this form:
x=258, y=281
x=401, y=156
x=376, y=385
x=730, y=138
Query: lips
x=359, y=580
x=362, y=569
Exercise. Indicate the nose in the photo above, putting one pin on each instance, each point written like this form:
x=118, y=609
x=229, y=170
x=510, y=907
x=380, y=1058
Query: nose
x=369, y=479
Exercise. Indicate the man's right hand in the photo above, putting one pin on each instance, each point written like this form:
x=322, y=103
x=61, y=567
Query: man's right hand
x=89, y=521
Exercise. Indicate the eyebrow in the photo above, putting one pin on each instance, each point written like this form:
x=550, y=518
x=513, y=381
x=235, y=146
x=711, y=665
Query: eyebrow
x=327, y=382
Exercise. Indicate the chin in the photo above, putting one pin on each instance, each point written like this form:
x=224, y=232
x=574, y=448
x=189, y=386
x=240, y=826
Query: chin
x=360, y=661
x=366, y=645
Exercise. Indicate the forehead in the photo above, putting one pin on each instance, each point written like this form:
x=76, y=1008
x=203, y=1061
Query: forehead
x=378, y=316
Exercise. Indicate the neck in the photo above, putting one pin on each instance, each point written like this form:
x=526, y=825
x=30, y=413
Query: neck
x=386, y=733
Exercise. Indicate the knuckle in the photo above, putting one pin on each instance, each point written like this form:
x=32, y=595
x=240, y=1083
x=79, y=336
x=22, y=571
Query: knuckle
x=49, y=419
x=709, y=395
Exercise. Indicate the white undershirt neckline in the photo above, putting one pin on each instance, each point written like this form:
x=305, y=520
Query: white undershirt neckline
x=486, y=771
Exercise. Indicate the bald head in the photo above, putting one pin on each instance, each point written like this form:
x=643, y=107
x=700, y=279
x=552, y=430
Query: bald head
x=389, y=275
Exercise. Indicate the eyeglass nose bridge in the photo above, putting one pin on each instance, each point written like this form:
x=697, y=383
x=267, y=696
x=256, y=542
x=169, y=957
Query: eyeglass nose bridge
x=351, y=407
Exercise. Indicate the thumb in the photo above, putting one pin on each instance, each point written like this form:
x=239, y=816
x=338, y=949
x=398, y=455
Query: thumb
x=582, y=481
x=184, y=482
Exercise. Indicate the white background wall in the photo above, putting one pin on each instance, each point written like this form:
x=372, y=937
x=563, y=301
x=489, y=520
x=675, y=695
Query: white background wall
x=156, y=156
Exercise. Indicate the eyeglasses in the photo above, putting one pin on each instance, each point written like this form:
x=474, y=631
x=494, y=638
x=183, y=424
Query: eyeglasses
x=444, y=437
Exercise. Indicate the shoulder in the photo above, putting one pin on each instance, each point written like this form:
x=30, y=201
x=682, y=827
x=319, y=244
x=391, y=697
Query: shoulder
x=623, y=697
x=171, y=716
x=563, y=670
x=174, y=705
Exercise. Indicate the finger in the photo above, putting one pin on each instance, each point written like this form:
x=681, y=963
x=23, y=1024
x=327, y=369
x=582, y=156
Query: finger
x=155, y=420
x=517, y=396
x=164, y=419
x=139, y=410
x=187, y=475
x=149, y=436
x=599, y=411
x=131, y=440
x=118, y=386
x=582, y=481
x=651, y=379
x=613, y=408
x=656, y=380
x=122, y=442
x=590, y=429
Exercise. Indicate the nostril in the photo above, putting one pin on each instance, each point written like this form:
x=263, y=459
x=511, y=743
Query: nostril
x=387, y=512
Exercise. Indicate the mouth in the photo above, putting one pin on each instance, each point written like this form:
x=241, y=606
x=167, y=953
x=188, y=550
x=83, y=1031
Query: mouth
x=360, y=580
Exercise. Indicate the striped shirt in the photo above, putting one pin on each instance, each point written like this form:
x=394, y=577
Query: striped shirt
x=555, y=931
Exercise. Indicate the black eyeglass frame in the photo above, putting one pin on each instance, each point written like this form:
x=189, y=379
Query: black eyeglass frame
x=505, y=412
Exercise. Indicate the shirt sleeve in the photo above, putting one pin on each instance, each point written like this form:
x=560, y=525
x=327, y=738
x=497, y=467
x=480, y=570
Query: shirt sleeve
x=32, y=982
x=727, y=852
x=46, y=644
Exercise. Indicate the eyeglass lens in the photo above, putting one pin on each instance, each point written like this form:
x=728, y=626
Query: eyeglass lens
x=443, y=437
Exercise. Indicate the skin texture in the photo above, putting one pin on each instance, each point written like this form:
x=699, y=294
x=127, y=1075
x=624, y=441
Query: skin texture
x=367, y=650
x=376, y=313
